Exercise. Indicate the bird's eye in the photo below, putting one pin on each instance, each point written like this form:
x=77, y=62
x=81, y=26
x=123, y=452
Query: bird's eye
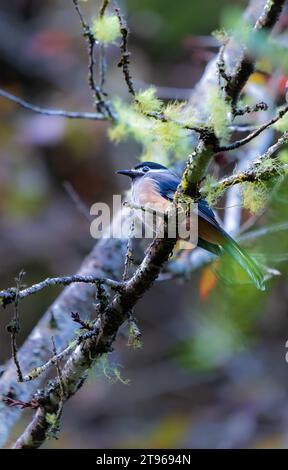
x=145, y=169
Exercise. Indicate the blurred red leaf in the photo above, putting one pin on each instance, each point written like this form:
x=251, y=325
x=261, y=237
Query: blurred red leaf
x=208, y=281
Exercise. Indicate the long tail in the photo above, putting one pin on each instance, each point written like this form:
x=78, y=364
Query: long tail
x=245, y=260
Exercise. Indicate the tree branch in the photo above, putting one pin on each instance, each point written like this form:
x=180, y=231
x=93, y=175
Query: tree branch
x=106, y=328
x=52, y=112
x=99, y=100
x=258, y=131
x=10, y=295
x=256, y=172
x=125, y=54
x=57, y=321
x=245, y=66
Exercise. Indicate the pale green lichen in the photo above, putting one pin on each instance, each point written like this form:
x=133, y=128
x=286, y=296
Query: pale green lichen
x=255, y=196
x=268, y=169
x=117, y=133
x=146, y=101
x=169, y=134
x=174, y=110
x=106, y=29
x=219, y=115
x=111, y=371
x=134, y=336
x=51, y=418
x=183, y=113
x=211, y=191
x=221, y=35
x=131, y=123
x=156, y=137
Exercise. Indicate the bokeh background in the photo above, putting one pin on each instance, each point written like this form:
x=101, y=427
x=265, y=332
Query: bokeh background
x=212, y=369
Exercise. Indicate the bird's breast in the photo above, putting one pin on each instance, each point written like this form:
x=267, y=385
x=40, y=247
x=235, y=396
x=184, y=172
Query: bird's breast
x=145, y=192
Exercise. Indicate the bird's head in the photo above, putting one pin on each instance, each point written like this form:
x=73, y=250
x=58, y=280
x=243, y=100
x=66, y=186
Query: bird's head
x=143, y=169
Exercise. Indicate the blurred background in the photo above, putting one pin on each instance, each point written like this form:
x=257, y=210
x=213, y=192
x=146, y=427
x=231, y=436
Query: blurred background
x=212, y=369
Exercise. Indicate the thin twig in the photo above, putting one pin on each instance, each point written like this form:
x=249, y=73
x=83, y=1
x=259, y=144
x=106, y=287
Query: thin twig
x=9, y=295
x=83, y=357
x=261, y=106
x=102, y=52
x=125, y=54
x=34, y=373
x=84, y=324
x=258, y=131
x=53, y=112
x=14, y=326
x=79, y=12
x=242, y=128
x=102, y=296
x=21, y=404
x=147, y=208
x=58, y=369
x=255, y=172
x=79, y=204
x=99, y=101
x=129, y=254
x=203, y=130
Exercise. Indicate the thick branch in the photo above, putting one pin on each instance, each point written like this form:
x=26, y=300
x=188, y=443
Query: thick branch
x=57, y=322
x=106, y=328
x=199, y=160
x=245, y=66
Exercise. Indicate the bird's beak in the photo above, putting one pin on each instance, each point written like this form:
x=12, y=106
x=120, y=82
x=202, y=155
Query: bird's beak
x=131, y=173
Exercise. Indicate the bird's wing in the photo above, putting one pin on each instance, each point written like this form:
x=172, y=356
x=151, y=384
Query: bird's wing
x=167, y=185
x=206, y=213
x=167, y=188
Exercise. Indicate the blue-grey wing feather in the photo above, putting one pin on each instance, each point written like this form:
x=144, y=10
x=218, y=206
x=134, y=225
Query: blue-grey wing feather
x=168, y=184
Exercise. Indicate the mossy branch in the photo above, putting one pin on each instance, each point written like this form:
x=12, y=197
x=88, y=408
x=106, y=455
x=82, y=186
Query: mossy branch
x=264, y=168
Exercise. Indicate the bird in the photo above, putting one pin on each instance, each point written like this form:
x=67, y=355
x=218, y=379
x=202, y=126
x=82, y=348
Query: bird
x=154, y=184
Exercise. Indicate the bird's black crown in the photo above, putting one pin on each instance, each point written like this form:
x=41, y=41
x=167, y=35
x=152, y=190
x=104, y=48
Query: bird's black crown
x=151, y=165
